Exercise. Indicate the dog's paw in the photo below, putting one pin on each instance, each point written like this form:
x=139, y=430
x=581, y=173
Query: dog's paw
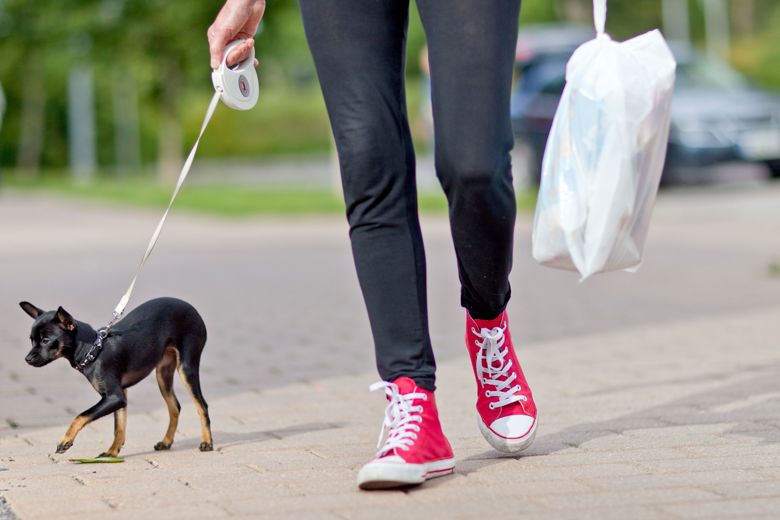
x=161, y=446
x=108, y=454
x=206, y=446
x=64, y=446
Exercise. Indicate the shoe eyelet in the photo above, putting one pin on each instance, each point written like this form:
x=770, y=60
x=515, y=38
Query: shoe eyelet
x=487, y=393
x=491, y=406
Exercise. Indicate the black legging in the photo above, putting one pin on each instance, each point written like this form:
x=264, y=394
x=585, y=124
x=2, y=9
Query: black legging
x=359, y=52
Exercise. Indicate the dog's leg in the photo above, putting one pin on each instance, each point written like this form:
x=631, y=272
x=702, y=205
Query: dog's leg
x=165, y=369
x=108, y=404
x=120, y=425
x=189, y=374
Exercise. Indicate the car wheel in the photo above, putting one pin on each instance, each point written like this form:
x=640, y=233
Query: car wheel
x=526, y=165
x=667, y=175
x=774, y=169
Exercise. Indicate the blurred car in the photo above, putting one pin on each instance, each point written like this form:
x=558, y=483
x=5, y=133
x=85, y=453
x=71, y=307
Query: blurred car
x=717, y=115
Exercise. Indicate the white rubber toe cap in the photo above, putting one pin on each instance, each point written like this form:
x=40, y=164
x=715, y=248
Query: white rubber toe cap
x=510, y=434
x=512, y=426
x=393, y=471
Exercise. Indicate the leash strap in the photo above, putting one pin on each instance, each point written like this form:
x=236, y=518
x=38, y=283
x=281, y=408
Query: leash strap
x=185, y=169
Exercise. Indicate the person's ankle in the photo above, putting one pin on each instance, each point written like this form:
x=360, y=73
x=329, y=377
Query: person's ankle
x=424, y=382
x=485, y=322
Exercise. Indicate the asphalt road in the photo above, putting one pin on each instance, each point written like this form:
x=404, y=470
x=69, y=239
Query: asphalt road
x=282, y=303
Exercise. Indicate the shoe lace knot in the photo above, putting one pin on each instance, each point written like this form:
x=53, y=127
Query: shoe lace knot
x=402, y=418
x=494, y=369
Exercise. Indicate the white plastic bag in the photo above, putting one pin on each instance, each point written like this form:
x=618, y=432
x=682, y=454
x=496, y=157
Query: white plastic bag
x=605, y=153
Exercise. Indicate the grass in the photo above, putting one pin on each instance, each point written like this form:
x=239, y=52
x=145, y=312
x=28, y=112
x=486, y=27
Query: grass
x=225, y=200
x=286, y=121
x=773, y=269
x=216, y=199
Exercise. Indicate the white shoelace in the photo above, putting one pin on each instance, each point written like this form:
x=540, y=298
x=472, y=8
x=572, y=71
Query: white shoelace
x=402, y=419
x=494, y=369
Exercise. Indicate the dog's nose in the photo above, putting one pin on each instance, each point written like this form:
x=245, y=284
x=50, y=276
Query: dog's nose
x=30, y=358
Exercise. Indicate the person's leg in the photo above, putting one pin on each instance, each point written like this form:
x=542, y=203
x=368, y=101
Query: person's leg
x=471, y=45
x=471, y=54
x=358, y=48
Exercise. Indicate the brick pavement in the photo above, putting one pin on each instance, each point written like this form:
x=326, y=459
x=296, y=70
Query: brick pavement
x=658, y=391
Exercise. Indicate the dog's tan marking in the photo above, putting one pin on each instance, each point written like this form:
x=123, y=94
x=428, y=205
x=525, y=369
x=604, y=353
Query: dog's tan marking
x=205, y=429
x=165, y=369
x=120, y=425
x=75, y=427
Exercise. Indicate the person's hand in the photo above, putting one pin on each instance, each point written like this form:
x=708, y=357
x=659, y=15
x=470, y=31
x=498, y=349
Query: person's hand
x=238, y=19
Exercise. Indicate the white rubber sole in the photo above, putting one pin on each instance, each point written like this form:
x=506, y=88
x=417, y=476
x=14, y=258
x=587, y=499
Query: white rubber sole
x=386, y=475
x=506, y=445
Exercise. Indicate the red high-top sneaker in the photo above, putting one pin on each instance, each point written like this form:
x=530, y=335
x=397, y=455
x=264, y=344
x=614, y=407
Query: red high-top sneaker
x=507, y=413
x=414, y=448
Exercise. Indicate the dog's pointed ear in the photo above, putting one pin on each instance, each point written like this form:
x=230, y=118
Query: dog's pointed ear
x=31, y=309
x=65, y=319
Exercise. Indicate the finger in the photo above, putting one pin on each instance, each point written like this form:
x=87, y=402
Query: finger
x=218, y=37
x=241, y=52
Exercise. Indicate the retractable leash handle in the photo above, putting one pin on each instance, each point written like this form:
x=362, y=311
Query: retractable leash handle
x=237, y=85
x=238, y=88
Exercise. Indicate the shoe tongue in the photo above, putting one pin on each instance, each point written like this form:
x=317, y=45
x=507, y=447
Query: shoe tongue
x=489, y=324
x=405, y=385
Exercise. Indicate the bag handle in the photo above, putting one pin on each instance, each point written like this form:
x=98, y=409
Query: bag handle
x=600, y=16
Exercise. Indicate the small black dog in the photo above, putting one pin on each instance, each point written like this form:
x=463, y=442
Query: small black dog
x=163, y=334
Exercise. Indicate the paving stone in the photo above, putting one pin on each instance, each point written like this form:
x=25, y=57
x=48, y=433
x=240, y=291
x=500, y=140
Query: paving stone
x=699, y=479
x=607, y=499
x=736, y=490
x=745, y=508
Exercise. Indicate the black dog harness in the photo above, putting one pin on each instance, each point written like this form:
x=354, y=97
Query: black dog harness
x=94, y=351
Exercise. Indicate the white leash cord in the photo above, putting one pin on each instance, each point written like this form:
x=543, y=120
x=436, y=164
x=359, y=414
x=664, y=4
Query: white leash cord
x=185, y=169
x=237, y=86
